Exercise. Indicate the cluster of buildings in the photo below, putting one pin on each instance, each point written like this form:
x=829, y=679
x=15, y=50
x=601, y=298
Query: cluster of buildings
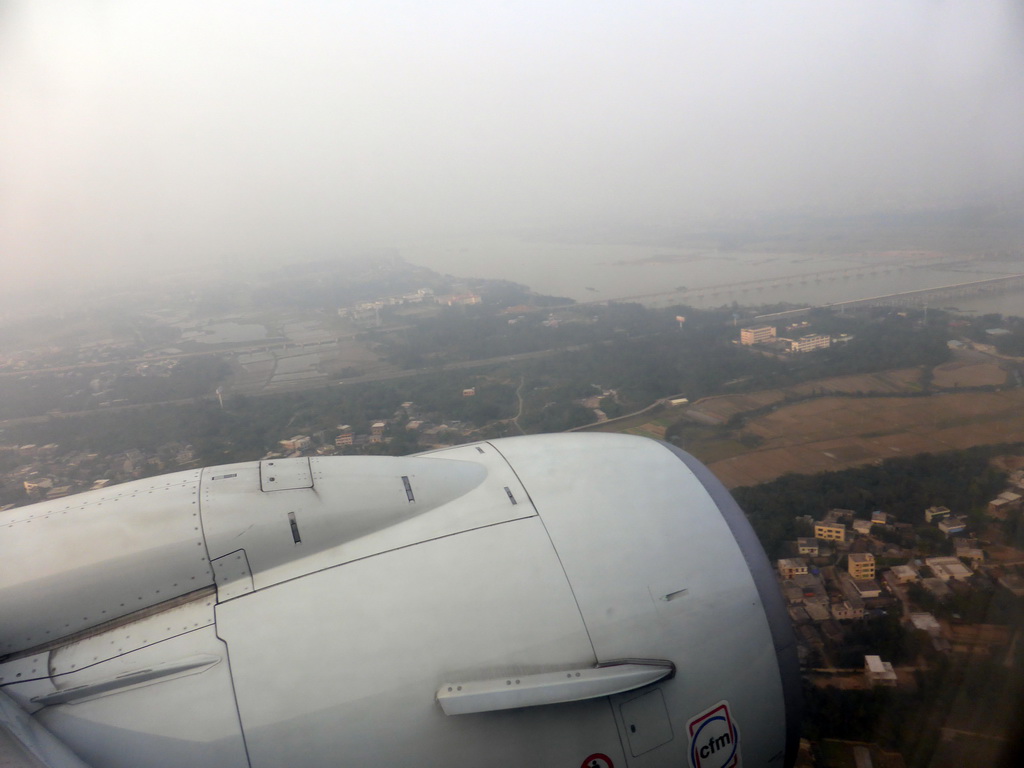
x=856, y=566
x=44, y=472
x=47, y=472
x=1009, y=501
x=322, y=444
x=818, y=591
x=347, y=439
x=593, y=403
x=945, y=521
x=367, y=313
x=768, y=335
x=102, y=351
x=835, y=576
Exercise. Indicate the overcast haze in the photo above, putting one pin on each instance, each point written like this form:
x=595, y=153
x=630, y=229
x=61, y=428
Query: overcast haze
x=134, y=133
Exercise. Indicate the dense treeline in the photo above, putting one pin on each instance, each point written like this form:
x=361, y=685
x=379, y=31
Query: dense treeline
x=1009, y=343
x=250, y=426
x=889, y=342
x=478, y=332
x=646, y=354
x=947, y=695
x=34, y=395
x=331, y=283
x=642, y=354
x=906, y=486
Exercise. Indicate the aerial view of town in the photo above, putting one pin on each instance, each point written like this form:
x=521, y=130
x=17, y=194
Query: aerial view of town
x=878, y=449
x=685, y=340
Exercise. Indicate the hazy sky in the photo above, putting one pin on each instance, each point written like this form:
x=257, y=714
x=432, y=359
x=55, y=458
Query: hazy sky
x=135, y=133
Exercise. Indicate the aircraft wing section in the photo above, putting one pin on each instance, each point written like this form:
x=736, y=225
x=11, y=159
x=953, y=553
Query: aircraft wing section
x=539, y=600
x=24, y=743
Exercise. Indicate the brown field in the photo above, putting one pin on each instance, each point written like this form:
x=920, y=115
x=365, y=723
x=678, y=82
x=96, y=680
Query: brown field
x=718, y=410
x=838, y=432
x=969, y=369
x=978, y=634
x=966, y=373
x=886, y=382
x=655, y=429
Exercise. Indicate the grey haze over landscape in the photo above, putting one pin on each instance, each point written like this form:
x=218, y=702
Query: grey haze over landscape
x=141, y=136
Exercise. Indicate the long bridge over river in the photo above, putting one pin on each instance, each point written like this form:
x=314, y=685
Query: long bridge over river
x=759, y=284
x=921, y=296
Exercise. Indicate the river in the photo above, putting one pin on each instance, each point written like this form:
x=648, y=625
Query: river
x=661, y=276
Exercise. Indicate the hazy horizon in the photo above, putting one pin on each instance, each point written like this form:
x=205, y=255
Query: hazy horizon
x=138, y=137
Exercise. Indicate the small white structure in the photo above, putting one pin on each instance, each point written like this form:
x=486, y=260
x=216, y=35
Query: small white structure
x=807, y=546
x=905, y=573
x=969, y=550
x=846, y=610
x=792, y=566
x=296, y=443
x=863, y=527
x=926, y=622
x=879, y=672
x=868, y=588
x=809, y=342
x=933, y=514
x=947, y=568
x=953, y=525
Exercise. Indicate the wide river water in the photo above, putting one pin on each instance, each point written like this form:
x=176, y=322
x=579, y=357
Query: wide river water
x=661, y=276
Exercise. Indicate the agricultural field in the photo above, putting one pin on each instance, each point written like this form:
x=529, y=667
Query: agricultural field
x=847, y=420
x=719, y=409
x=838, y=432
x=966, y=373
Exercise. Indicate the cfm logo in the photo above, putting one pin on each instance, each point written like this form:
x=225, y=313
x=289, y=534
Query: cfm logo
x=714, y=739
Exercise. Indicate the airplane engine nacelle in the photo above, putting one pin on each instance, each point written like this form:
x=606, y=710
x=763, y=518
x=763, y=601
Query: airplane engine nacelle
x=556, y=600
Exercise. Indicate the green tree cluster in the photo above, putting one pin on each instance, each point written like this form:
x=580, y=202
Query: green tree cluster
x=903, y=487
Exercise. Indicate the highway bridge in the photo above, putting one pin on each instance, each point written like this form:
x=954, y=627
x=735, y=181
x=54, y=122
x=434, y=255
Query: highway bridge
x=759, y=284
x=921, y=296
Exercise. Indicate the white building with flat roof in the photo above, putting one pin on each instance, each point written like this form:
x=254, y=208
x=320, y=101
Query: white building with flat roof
x=807, y=546
x=868, y=588
x=953, y=525
x=948, y=568
x=879, y=672
x=845, y=611
x=809, y=342
x=792, y=566
x=863, y=527
x=926, y=622
x=905, y=573
x=969, y=550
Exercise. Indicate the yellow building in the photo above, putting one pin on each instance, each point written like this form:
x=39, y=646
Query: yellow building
x=758, y=335
x=861, y=565
x=830, y=531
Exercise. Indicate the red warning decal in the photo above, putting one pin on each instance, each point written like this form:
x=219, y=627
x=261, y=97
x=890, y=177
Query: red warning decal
x=598, y=760
x=714, y=738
